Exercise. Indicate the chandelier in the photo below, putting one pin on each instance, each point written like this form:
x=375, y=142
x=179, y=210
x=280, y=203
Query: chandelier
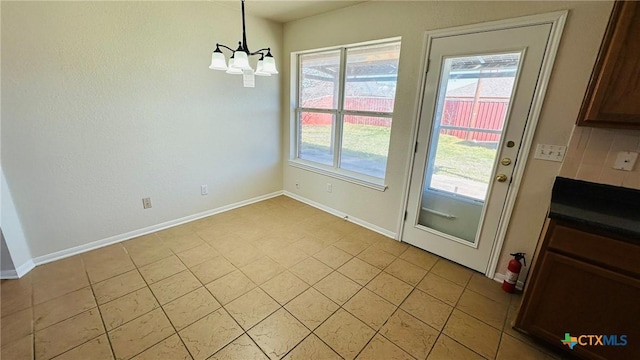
x=239, y=61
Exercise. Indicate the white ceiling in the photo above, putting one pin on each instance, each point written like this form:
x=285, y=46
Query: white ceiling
x=285, y=11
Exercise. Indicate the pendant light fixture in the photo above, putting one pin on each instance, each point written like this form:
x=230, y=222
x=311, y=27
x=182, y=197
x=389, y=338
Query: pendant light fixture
x=239, y=61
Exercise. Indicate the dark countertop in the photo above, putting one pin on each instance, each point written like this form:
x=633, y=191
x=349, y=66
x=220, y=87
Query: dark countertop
x=607, y=208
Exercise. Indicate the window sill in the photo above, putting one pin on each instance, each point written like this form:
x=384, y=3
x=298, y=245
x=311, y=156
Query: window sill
x=362, y=180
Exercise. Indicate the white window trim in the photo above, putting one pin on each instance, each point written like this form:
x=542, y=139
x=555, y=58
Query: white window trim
x=331, y=171
x=346, y=175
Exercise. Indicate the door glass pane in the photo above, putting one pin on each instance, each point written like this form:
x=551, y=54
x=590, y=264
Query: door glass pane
x=371, y=76
x=316, y=137
x=319, y=80
x=472, y=104
x=365, y=144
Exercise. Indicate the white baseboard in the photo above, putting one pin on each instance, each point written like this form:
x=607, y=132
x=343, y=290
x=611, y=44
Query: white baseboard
x=19, y=272
x=8, y=274
x=58, y=255
x=347, y=217
x=500, y=278
x=25, y=268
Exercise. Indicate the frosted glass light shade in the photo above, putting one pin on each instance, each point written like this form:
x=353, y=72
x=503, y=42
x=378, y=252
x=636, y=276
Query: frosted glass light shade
x=260, y=69
x=242, y=60
x=269, y=65
x=218, y=61
x=232, y=69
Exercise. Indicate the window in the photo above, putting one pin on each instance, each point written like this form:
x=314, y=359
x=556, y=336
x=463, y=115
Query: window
x=474, y=97
x=344, y=109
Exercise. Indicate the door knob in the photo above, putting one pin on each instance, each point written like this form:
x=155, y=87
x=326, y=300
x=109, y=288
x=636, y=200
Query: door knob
x=505, y=161
x=501, y=178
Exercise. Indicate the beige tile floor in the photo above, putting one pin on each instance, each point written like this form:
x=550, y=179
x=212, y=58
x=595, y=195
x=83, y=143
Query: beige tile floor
x=276, y=279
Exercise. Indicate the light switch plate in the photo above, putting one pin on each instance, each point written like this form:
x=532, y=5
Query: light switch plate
x=550, y=152
x=625, y=160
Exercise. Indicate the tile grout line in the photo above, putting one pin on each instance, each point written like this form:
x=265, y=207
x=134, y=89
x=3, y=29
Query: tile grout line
x=96, y=307
x=449, y=317
x=456, y=307
x=252, y=340
x=346, y=301
x=298, y=344
x=167, y=316
x=439, y=332
x=221, y=307
x=310, y=286
x=414, y=288
x=352, y=256
x=475, y=317
x=137, y=269
x=376, y=332
x=33, y=322
x=161, y=306
x=106, y=333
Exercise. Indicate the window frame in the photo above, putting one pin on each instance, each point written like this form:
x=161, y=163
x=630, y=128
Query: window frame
x=339, y=114
x=436, y=127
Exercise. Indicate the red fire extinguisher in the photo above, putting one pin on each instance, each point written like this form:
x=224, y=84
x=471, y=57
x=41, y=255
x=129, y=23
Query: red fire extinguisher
x=513, y=270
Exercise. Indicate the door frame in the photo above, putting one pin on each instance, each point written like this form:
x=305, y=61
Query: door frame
x=557, y=20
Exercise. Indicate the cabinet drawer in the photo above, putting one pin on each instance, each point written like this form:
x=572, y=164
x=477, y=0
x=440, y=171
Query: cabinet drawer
x=601, y=250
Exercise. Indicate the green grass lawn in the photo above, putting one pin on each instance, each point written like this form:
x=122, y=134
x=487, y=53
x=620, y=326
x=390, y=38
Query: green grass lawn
x=366, y=139
x=364, y=147
x=464, y=159
x=373, y=140
x=454, y=156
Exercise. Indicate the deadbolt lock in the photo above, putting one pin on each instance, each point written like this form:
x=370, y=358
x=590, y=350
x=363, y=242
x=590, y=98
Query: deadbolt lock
x=501, y=178
x=505, y=161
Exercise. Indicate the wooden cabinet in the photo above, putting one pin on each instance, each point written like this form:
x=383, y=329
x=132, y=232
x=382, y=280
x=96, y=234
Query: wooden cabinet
x=584, y=284
x=613, y=94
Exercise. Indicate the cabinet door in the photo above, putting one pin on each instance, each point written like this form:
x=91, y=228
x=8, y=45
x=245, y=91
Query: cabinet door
x=613, y=95
x=571, y=296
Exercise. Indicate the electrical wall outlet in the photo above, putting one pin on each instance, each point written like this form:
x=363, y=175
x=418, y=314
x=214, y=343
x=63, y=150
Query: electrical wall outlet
x=625, y=160
x=146, y=203
x=329, y=187
x=204, y=189
x=550, y=152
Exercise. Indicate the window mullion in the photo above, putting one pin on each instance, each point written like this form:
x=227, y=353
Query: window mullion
x=298, y=111
x=315, y=110
x=298, y=131
x=368, y=113
x=339, y=128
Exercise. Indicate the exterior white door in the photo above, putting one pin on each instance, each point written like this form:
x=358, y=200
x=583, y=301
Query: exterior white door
x=477, y=97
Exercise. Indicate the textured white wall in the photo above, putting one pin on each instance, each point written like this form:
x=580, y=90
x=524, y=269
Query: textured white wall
x=104, y=103
x=14, y=241
x=6, y=263
x=410, y=19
